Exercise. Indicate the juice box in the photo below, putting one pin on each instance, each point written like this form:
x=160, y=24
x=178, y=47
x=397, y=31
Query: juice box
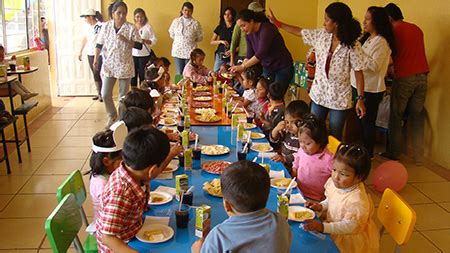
x=185, y=138
x=26, y=62
x=202, y=221
x=188, y=159
x=187, y=121
x=240, y=131
x=283, y=205
x=181, y=184
x=234, y=120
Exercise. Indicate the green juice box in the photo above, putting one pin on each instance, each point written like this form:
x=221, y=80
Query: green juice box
x=283, y=205
x=185, y=138
x=181, y=185
x=188, y=159
x=234, y=120
x=202, y=221
x=240, y=131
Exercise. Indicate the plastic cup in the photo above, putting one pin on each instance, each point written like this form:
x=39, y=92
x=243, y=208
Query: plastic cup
x=241, y=155
x=181, y=159
x=182, y=216
x=197, y=153
x=12, y=67
x=188, y=198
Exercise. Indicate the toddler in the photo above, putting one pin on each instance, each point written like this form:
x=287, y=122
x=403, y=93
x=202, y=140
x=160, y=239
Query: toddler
x=195, y=70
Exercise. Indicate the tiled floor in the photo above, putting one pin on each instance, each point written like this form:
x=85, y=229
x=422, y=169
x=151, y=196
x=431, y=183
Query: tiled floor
x=61, y=144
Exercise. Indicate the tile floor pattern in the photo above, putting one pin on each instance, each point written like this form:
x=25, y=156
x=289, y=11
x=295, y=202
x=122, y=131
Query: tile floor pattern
x=62, y=142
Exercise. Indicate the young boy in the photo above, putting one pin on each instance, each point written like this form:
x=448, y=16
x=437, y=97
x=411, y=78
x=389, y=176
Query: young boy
x=135, y=117
x=285, y=133
x=251, y=227
x=275, y=111
x=125, y=196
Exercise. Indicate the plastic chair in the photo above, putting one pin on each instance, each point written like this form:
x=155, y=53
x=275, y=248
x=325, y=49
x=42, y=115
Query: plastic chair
x=63, y=225
x=74, y=185
x=333, y=144
x=397, y=217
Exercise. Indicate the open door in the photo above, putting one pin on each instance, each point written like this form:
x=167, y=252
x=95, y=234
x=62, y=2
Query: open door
x=73, y=78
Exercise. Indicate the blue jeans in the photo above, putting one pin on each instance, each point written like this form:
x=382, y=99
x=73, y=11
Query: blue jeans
x=337, y=118
x=180, y=64
x=219, y=61
x=283, y=76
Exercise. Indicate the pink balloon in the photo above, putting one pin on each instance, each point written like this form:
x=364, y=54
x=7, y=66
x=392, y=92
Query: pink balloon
x=390, y=174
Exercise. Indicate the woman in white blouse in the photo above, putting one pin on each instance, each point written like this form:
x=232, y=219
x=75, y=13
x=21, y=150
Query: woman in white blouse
x=378, y=44
x=117, y=37
x=142, y=56
x=338, y=52
x=185, y=32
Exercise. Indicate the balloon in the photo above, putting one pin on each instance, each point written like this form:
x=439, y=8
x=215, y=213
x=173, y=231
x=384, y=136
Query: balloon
x=390, y=174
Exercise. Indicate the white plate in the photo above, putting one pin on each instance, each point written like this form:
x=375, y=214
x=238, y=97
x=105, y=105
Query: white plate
x=248, y=126
x=273, y=183
x=163, y=122
x=171, y=167
x=166, y=233
x=257, y=136
x=167, y=198
x=257, y=147
x=202, y=99
x=294, y=209
x=225, y=150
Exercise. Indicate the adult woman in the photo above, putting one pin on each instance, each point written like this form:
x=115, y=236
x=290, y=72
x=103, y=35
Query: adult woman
x=222, y=38
x=378, y=44
x=142, y=56
x=118, y=37
x=265, y=45
x=94, y=23
x=185, y=32
x=337, y=53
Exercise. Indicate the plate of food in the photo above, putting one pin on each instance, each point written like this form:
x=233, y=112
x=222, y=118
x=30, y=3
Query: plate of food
x=227, y=75
x=257, y=136
x=300, y=213
x=201, y=105
x=207, y=118
x=282, y=183
x=215, y=150
x=239, y=110
x=205, y=110
x=248, y=126
x=215, y=167
x=159, y=198
x=167, y=122
x=168, y=115
x=202, y=88
x=202, y=98
x=171, y=167
x=155, y=233
x=261, y=147
x=201, y=93
x=173, y=100
x=170, y=109
x=213, y=188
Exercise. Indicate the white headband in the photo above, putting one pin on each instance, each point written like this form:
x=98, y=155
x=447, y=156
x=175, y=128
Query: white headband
x=120, y=131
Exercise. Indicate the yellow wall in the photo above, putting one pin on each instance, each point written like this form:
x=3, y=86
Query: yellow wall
x=432, y=17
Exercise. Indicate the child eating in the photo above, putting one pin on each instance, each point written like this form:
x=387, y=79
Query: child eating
x=195, y=71
x=312, y=162
x=260, y=108
x=349, y=209
x=249, y=80
x=275, y=111
x=251, y=227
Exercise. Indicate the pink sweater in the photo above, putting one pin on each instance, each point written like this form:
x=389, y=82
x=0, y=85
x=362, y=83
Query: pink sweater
x=196, y=75
x=313, y=172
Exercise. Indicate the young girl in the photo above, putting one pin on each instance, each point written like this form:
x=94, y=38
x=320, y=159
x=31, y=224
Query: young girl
x=349, y=209
x=313, y=161
x=195, y=70
x=275, y=111
x=260, y=108
x=249, y=81
x=286, y=133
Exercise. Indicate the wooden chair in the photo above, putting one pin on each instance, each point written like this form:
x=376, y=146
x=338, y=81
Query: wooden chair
x=333, y=144
x=397, y=217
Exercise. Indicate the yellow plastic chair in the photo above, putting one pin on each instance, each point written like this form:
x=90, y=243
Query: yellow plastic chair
x=397, y=217
x=333, y=144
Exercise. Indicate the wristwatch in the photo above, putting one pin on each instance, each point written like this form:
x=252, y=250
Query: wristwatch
x=359, y=97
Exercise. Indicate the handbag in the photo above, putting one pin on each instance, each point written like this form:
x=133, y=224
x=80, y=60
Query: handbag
x=384, y=111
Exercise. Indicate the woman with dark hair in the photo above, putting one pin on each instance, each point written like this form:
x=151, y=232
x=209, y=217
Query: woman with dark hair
x=185, y=32
x=117, y=37
x=142, y=56
x=222, y=37
x=94, y=21
x=377, y=43
x=338, y=51
x=266, y=46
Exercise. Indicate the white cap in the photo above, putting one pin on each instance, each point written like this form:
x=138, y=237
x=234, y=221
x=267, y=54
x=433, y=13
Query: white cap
x=120, y=131
x=256, y=7
x=88, y=12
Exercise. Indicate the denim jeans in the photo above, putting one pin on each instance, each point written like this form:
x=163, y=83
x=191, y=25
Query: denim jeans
x=219, y=60
x=107, y=90
x=407, y=92
x=337, y=118
x=180, y=64
x=284, y=76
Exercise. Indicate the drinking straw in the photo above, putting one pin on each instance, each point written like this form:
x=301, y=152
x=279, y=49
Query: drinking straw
x=190, y=190
x=196, y=141
x=289, y=186
x=234, y=108
x=254, y=160
x=181, y=201
x=246, y=112
x=245, y=147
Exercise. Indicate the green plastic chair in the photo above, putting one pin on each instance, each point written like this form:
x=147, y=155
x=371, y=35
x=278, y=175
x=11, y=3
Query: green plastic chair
x=74, y=185
x=63, y=225
x=178, y=78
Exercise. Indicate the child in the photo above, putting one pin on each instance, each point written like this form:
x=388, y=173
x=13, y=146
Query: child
x=260, y=108
x=251, y=227
x=275, y=111
x=286, y=133
x=195, y=71
x=16, y=85
x=139, y=98
x=249, y=79
x=135, y=117
x=312, y=162
x=105, y=158
x=126, y=194
x=349, y=209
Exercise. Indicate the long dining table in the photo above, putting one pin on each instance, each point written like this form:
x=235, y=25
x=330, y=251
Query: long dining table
x=183, y=238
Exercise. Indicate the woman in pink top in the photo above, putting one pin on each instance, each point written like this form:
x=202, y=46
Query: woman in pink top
x=195, y=70
x=313, y=162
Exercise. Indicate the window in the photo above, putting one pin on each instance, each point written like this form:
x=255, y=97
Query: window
x=19, y=23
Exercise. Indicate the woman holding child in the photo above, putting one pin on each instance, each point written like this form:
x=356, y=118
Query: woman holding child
x=338, y=52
